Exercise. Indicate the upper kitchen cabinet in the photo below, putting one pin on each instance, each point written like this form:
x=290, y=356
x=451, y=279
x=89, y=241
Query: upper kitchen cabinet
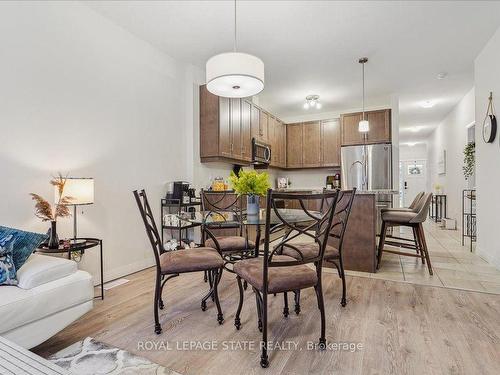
x=311, y=144
x=330, y=143
x=246, y=130
x=380, y=127
x=263, y=127
x=294, y=138
x=225, y=128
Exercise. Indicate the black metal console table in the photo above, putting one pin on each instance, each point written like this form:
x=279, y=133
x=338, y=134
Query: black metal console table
x=80, y=245
x=438, y=207
x=469, y=216
x=175, y=207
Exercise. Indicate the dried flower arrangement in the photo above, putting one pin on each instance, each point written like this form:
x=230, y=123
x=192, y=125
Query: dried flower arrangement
x=43, y=208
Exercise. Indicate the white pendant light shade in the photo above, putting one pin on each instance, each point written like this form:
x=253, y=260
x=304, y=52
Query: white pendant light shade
x=364, y=126
x=235, y=75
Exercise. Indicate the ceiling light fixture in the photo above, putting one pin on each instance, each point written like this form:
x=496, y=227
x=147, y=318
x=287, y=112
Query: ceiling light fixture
x=312, y=101
x=364, y=125
x=235, y=74
x=427, y=104
x=442, y=75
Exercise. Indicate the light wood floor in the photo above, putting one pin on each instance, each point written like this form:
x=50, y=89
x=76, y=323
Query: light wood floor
x=403, y=328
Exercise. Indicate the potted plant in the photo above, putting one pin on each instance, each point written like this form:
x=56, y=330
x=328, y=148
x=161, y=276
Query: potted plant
x=44, y=210
x=469, y=159
x=251, y=184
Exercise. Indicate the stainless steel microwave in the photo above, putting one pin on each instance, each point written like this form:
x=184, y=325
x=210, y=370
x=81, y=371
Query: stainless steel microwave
x=261, y=152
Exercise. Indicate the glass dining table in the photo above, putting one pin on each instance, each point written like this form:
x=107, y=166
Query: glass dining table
x=229, y=219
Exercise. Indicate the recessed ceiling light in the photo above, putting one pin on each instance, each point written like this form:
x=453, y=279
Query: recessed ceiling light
x=427, y=104
x=442, y=75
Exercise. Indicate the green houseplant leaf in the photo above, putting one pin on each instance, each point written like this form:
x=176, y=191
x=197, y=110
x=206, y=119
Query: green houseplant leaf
x=250, y=182
x=469, y=159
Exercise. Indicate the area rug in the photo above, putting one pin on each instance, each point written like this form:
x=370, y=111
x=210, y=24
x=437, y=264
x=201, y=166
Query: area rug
x=91, y=357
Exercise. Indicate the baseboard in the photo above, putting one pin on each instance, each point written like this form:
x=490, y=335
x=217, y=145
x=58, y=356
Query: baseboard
x=492, y=260
x=116, y=273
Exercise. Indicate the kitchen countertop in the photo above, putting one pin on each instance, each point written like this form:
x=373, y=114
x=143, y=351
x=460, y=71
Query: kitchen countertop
x=320, y=190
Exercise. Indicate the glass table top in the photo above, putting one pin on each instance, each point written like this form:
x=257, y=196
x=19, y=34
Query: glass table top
x=228, y=219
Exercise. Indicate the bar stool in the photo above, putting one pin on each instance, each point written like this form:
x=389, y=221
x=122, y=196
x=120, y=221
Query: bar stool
x=408, y=218
x=411, y=207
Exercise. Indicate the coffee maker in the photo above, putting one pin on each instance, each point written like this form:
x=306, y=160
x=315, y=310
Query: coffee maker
x=179, y=190
x=333, y=182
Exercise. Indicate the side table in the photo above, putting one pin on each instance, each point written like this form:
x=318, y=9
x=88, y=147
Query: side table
x=81, y=244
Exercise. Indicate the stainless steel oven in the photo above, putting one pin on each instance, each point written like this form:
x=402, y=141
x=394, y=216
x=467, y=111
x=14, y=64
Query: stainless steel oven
x=261, y=152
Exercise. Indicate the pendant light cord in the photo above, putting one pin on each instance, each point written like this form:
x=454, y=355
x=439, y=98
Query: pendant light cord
x=234, y=45
x=363, y=91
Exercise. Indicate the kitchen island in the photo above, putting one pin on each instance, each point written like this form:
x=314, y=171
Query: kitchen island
x=359, y=251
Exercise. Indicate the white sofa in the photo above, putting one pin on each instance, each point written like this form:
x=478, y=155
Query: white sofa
x=51, y=294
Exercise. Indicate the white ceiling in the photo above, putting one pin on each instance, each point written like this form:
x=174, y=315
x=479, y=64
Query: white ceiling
x=312, y=47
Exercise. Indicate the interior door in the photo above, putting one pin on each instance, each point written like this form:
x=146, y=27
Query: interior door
x=414, y=179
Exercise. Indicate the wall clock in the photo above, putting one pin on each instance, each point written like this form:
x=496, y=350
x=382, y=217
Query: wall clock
x=490, y=122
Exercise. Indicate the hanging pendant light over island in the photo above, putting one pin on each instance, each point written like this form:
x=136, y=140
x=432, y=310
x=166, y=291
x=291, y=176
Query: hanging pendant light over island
x=235, y=74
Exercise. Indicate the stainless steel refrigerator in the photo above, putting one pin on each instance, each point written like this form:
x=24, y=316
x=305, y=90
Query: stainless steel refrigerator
x=369, y=167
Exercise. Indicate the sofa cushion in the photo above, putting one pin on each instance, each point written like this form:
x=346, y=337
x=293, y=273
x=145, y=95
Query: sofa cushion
x=7, y=268
x=26, y=243
x=41, y=269
x=22, y=306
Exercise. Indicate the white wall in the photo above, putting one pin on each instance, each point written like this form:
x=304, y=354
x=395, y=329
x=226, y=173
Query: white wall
x=487, y=78
x=451, y=135
x=416, y=152
x=80, y=95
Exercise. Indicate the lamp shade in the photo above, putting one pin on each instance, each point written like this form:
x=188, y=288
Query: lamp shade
x=235, y=75
x=364, y=126
x=80, y=189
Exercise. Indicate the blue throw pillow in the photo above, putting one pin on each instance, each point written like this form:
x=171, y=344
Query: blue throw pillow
x=7, y=268
x=25, y=243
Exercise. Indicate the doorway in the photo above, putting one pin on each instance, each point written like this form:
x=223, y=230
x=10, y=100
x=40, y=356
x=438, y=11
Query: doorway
x=413, y=179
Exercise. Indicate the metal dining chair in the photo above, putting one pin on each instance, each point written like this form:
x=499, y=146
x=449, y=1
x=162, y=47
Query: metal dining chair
x=225, y=211
x=170, y=264
x=274, y=273
x=333, y=251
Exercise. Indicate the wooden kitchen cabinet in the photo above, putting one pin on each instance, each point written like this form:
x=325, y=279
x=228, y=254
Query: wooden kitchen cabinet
x=246, y=130
x=294, y=138
x=380, y=127
x=225, y=128
x=311, y=144
x=330, y=143
x=263, y=126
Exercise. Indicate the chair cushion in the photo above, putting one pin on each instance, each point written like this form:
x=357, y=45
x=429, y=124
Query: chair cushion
x=231, y=243
x=402, y=217
x=190, y=260
x=25, y=244
x=310, y=250
x=280, y=279
x=42, y=269
x=397, y=209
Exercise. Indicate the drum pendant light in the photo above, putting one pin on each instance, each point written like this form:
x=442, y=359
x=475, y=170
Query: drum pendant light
x=364, y=125
x=235, y=74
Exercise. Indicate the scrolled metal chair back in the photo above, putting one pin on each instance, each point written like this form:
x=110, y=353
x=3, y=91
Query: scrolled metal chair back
x=340, y=220
x=149, y=223
x=219, y=204
x=317, y=228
